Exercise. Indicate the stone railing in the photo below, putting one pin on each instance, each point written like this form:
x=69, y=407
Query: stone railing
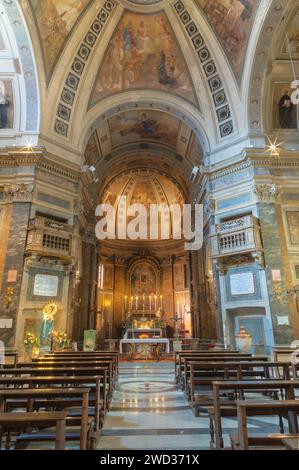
x=236, y=237
x=49, y=238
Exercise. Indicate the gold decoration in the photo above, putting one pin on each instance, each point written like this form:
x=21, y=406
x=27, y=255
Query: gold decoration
x=49, y=311
x=278, y=294
x=9, y=296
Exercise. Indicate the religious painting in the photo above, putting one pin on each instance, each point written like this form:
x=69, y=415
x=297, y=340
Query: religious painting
x=143, y=193
x=55, y=20
x=6, y=105
x=143, y=281
x=232, y=21
x=293, y=226
x=135, y=126
x=291, y=47
x=143, y=53
x=285, y=113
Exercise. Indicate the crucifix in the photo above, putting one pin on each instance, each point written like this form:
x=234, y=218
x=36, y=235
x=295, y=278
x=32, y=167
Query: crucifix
x=177, y=319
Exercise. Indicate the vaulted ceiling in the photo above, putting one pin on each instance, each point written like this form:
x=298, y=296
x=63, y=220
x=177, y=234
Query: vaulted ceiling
x=145, y=37
x=167, y=76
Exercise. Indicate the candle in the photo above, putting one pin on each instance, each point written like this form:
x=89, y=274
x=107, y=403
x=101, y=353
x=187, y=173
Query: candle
x=132, y=299
x=143, y=302
x=155, y=303
x=161, y=302
x=178, y=307
x=126, y=302
x=150, y=302
x=136, y=303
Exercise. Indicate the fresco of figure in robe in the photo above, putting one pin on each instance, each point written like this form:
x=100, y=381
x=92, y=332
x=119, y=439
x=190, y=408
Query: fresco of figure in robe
x=6, y=105
x=284, y=111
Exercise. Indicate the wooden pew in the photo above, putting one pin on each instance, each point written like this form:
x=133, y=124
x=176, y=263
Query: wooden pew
x=203, y=374
x=83, y=355
x=19, y=421
x=93, y=382
x=180, y=363
x=108, y=364
x=186, y=361
x=35, y=399
x=289, y=408
x=68, y=369
x=218, y=353
x=227, y=408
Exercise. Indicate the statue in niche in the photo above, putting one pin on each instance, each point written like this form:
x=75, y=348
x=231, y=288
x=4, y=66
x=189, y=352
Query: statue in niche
x=286, y=109
x=6, y=105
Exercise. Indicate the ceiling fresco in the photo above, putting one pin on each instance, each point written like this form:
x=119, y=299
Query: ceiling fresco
x=232, y=21
x=145, y=188
x=55, y=20
x=293, y=36
x=143, y=54
x=135, y=126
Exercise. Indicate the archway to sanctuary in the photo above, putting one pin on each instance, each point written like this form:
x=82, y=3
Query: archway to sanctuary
x=137, y=160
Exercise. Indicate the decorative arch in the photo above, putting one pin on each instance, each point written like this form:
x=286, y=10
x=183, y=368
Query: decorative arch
x=19, y=67
x=257, y=89
x=151, y=100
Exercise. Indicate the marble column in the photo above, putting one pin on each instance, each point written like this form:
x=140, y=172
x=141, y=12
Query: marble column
x=87, y=312
x=268, y=208
x=20, y=197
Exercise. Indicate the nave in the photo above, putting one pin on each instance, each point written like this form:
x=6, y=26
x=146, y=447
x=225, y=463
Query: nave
x=149, y=411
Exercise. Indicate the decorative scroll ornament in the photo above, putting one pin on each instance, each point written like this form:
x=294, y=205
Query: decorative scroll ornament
x=18, y=192
x=267, y=192
x=279, y=294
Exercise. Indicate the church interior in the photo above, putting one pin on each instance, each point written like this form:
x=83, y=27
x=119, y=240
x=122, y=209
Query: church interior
x=125, y=106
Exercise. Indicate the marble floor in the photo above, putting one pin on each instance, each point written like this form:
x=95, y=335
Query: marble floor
x=149, y=412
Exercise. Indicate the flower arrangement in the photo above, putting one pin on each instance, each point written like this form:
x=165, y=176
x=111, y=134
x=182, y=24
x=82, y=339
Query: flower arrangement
x=60, y=339
x=30, y=340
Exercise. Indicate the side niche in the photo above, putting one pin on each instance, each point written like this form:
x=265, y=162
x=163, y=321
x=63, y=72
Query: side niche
x=6, y=104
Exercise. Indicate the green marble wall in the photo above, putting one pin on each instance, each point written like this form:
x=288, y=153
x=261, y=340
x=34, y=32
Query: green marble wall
x=273, y=259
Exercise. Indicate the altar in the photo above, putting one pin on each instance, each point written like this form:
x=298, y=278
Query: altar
x=150, y=347
x=144, y=336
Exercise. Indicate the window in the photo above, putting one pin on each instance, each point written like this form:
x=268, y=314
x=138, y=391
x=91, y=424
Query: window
x=101, y=277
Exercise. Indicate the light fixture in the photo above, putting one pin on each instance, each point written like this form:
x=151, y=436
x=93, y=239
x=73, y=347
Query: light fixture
x=274, y=148
x=49, y=311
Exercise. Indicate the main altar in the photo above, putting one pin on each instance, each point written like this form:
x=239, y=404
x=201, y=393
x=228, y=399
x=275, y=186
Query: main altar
x=144, y=335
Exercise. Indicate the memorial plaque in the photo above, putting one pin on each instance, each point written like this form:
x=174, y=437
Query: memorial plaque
x=45, y=285
x=242, y=284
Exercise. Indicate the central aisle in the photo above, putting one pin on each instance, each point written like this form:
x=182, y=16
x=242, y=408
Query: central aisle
x=150, y=412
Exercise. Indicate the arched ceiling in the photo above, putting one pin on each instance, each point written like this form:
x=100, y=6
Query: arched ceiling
x=144, y=130
x=190, y=59
x=231, y=21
